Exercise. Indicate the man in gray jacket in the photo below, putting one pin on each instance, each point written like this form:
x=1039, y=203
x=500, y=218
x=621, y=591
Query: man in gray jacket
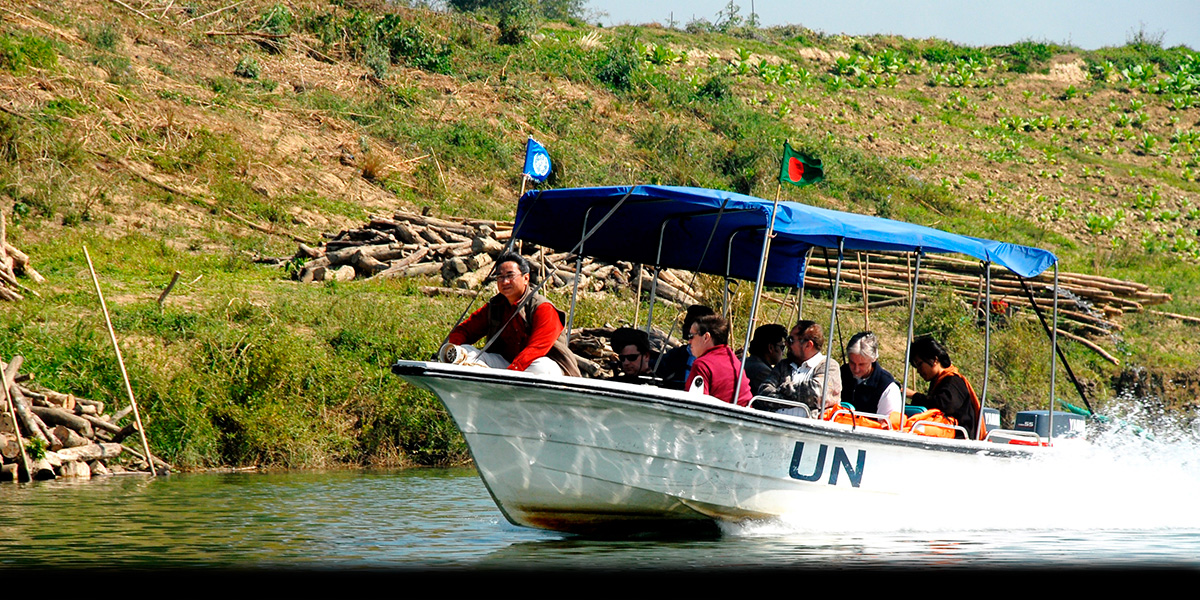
x=804, y=374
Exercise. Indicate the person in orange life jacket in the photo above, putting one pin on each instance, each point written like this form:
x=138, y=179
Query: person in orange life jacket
x=865, y=384
x=716, y=369
x=949, y=391
x=532, y=340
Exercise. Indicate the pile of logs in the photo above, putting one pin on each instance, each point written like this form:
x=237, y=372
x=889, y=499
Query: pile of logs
x=1088, y=305
x=61, y=435
x=463, y=253
x=13, y=262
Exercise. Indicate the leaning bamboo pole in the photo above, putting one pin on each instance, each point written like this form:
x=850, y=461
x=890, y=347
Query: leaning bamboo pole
x=112, y=334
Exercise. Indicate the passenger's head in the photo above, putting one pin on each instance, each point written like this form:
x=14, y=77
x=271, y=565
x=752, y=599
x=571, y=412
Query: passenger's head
x=694, y=312
x=928, y=357
x=769, y=343
x=806, y=340
x=706, y=332
x=633, y=350
x=512, y=276
x=861, y=354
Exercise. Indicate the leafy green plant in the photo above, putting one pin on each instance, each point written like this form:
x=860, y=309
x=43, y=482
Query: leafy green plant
x=248, y=68
x=36, y=448
x=1103, y=224
x=619, y=65
x=276, y=20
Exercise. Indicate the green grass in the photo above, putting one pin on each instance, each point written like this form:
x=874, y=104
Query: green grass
x=242, y=367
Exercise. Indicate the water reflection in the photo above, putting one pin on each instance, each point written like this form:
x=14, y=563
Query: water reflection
x=445, y=518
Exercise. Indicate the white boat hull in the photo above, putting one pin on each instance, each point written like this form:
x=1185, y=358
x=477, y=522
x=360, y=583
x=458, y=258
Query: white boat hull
x=588, y=456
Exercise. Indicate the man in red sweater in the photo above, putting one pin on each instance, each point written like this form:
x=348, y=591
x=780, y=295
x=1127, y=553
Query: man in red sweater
x=532, y=340
x=716, y=369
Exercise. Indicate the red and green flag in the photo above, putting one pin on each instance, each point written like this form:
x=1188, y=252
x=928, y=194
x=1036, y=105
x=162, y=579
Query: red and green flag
x=799, y=169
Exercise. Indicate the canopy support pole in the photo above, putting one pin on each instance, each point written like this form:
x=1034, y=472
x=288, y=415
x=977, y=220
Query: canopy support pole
x=1053, y=352
x=987, y=346
x=758, y=286
x=837, y=282
x=578, y=274
x=912, y=315
x=662, y=232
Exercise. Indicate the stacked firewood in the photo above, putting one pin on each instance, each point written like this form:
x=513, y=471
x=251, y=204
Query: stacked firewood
x=1088, y=305
x=13, y=262
x=463, y=254
x=61, y=435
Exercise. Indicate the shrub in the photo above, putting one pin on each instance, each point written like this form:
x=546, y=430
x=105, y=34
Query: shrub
x=277, y=20
x=411, y=44
x=247, y=67
x=517, y=22
x=618, y=66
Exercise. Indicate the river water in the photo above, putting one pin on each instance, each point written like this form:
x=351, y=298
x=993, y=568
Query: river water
x=1124, y=503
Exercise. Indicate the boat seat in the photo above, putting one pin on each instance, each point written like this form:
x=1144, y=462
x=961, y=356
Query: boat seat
x=795, y=409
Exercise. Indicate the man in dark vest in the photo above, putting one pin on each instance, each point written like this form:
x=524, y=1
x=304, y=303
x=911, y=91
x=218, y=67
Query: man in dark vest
x=532, y=340
x=865, y=384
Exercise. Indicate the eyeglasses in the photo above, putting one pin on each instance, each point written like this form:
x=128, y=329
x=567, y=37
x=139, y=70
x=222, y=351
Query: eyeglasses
x=630, y=357
x=508, y=276
x=780, y=345
x=792, y=340
x=688, y=337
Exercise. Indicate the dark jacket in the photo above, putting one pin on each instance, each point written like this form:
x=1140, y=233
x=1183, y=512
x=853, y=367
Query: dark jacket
x=865, y=395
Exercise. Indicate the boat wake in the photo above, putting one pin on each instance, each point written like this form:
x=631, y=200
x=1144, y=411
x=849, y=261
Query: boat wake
x=1119, y=480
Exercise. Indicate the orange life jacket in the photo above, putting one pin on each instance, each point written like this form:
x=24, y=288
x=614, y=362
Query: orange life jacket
x=850, y=418
x=935, y=415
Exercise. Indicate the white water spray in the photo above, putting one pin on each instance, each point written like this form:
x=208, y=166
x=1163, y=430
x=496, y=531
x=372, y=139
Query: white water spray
x=1116, y=481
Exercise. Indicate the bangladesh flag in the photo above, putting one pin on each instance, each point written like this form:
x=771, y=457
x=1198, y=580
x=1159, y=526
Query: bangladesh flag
x=799, y=169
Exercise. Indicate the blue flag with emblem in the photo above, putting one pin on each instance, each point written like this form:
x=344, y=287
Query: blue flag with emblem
x=537, y=161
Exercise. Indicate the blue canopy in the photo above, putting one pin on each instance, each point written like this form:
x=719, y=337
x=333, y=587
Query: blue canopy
x=721, y=233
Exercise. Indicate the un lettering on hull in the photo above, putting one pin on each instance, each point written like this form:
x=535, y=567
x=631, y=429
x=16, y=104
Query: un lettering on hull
x=814, y=467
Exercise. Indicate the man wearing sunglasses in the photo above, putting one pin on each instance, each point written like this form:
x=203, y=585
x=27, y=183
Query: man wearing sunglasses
x=802, y=376
x=635, y=361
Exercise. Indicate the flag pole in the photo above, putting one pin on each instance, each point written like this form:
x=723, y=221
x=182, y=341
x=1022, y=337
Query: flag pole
x=524, y=180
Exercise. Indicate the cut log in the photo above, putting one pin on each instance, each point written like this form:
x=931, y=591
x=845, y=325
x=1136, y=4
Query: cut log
x=41, y=470
x=58, y=416
x=99, y=424
x=69, y=438
x=10, y=446
x=91, y=452
x=76, y=469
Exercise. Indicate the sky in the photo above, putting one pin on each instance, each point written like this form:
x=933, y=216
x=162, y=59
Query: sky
x=1085, y=24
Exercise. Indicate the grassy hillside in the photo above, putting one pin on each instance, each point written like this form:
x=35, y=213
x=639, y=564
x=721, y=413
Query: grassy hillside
x=152, y=134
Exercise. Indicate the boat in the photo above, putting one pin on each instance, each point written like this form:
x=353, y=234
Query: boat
x=599, y=457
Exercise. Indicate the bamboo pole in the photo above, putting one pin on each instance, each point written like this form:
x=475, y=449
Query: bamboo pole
x=112, y=334
x=12, y=413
